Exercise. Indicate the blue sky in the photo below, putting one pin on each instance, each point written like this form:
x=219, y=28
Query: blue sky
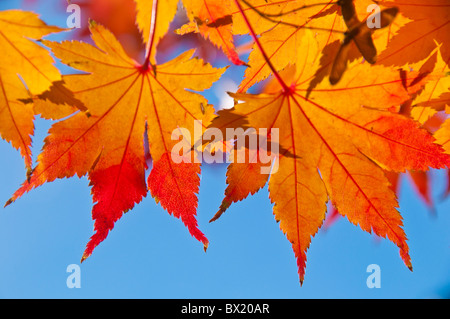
x=150, y=254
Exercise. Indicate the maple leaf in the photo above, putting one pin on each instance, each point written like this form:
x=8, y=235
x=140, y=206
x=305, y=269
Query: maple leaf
x=430, y=22
x=342, y=139
x=32, y=72
x=127, y=100
x=342, y=147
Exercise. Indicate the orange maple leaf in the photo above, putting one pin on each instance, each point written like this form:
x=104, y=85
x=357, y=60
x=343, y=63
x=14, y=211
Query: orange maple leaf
x=125, y=98
x=342, y=138
x=430, y=23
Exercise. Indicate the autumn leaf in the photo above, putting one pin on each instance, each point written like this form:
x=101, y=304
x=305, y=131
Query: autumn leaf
x=125, y=98
x=342, y=139
x=423, y=106
x=27, y=69
x=430, y=23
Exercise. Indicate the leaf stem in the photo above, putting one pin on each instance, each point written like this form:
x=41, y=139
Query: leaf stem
x=151, y=40
x=285, y=88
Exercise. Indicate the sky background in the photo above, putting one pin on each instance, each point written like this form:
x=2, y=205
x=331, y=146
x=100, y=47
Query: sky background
x=150, y=254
